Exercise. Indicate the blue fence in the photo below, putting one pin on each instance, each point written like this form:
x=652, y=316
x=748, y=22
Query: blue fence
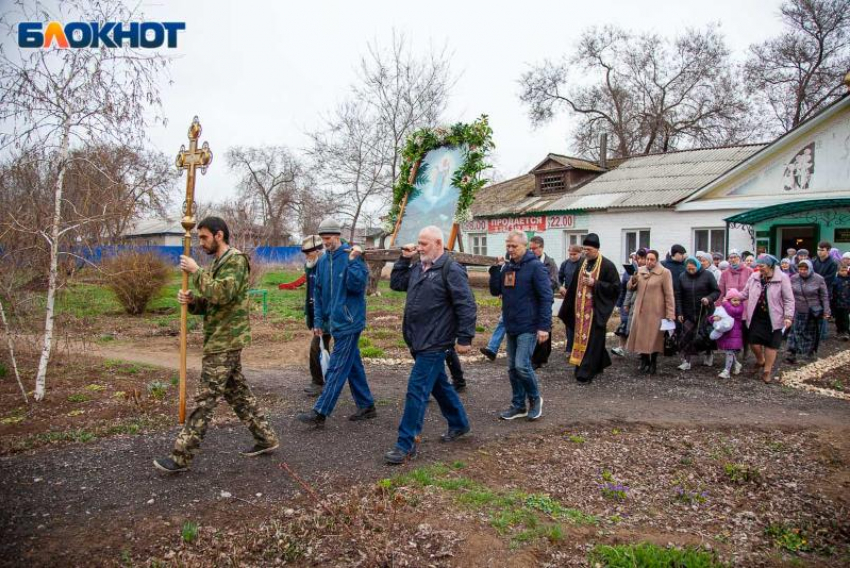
x=262, y=255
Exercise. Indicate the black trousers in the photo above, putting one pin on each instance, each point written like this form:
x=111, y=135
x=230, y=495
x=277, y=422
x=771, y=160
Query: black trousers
x=315, y=357
x=455, y=368
x=842, y=320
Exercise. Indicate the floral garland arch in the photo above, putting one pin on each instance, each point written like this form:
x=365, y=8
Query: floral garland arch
x=478, y=139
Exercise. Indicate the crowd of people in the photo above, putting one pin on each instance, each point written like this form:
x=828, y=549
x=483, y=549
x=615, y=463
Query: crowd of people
x=702, y=304
x=692, y=306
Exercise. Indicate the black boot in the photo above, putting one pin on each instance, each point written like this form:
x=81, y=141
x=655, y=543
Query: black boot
x=644, y=362
x=653, y=364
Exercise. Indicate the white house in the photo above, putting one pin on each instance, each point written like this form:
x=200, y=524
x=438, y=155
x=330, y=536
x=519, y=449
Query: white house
x=794, y=191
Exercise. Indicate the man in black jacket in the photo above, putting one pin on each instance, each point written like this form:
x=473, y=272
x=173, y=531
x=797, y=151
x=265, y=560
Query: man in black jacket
x=541, y=353
x=312, y=248
x=440, y=311
x=565, y=278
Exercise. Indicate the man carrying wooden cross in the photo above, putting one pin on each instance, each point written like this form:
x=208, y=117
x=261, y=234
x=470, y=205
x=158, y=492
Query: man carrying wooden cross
x=223, y=301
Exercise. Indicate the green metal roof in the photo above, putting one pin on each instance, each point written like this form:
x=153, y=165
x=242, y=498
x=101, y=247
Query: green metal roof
x=754, y=216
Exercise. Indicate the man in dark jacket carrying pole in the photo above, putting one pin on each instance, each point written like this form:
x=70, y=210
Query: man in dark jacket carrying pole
x=340, y=302
x=439, y=312
x=527, y=312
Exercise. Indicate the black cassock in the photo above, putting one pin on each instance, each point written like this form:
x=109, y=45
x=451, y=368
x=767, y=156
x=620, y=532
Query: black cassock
x=605, y=294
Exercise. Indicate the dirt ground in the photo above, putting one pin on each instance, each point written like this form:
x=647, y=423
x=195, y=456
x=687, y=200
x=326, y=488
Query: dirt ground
x=100, y=502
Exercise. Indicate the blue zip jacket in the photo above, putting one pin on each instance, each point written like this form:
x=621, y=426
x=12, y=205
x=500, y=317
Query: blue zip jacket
x=339, y=303
x=439, y=309
x=527, y=305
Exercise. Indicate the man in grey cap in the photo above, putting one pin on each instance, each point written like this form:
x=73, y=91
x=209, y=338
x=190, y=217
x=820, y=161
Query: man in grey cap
x=340, y=304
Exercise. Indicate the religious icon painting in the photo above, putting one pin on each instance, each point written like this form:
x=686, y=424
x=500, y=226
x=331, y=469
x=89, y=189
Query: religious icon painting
x=434, y=198
x=439, y=175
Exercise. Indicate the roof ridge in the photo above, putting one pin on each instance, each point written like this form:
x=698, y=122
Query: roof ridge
x=721, y=147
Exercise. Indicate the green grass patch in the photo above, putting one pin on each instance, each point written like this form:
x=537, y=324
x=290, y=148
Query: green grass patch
x=576, y=439
x=787, y=537
x=189, y=532
x=78, y=397
x=3, y=371
x=372, y=352
x=741, y=473
x=648, y=555
x=157, y=389
x=95, y=387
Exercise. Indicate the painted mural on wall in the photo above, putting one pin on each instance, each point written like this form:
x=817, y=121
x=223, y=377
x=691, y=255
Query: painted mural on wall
x=816, y=165
x=799, y=171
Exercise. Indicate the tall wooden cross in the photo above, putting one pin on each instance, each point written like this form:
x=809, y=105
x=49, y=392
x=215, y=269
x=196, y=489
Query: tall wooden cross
x=190, y=160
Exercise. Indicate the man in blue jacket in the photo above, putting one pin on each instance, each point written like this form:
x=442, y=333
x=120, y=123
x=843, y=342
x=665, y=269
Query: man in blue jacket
x=339, y=304
x=527, y=312
x=439, y=312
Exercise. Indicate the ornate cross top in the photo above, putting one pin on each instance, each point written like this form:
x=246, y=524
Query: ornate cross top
x=190, y=160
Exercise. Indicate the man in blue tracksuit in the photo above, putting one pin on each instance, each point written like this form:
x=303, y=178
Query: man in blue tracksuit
x=527, y=312
x=339, y=304
x=439, y=312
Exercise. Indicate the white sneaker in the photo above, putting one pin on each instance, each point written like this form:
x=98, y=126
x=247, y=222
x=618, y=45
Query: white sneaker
x=685, y=366
x=736, y=368
x=724, y=374
x=708, y=360
x=619, y=351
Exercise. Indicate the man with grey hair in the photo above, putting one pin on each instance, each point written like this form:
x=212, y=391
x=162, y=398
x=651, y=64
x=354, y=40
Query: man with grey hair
x=439, y=316
x=527, y=296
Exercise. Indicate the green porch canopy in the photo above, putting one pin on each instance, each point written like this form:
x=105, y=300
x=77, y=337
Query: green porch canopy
x=754, y=216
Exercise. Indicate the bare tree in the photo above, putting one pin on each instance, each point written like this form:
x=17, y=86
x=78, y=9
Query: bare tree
x=650, y=93
x=800, y=71
x=273, y=179
x=357, y=151
x=61, y=99
x=352, y=157
x=405, y=92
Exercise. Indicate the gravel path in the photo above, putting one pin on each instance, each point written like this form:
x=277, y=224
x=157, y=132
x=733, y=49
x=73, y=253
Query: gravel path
x=105, y=495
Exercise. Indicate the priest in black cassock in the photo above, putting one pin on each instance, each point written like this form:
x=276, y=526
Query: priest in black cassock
x=588, y=306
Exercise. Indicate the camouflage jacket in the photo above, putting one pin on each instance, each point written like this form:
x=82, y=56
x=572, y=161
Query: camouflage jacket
x=221, y=296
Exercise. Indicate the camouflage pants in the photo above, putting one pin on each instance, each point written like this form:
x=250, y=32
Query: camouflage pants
x=221, y=376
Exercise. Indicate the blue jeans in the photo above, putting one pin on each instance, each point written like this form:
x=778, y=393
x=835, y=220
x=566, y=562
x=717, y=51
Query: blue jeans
x=520, y=370
x=428, y=377
x=345, y=364
x=497, y=337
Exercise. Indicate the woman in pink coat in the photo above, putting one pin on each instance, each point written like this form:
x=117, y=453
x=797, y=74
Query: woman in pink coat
x=769, y=313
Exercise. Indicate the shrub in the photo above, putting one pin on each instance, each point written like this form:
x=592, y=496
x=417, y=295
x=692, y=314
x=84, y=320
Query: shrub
x=135, y=278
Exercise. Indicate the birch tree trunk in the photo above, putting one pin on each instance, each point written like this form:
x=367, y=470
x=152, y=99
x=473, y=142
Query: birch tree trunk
x=12, y=352
x=53, y=279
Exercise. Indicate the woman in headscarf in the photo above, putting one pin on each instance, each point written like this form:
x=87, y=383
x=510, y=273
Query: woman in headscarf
x=736, y=275
x=786, y=267
x=770, y=311
x=652, y=285
x=698, y=291
x=707, y=262
x=811, y=301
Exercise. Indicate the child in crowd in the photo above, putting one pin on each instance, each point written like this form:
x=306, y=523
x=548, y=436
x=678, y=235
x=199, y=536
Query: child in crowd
x=733, y=340
x=840, y=294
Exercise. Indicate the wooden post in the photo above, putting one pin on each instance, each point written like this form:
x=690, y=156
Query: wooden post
x=189, y=160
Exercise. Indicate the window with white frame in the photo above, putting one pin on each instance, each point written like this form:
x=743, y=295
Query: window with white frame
x=634, y=239
x=478, y=243
x=710, y=240
x=572, y=238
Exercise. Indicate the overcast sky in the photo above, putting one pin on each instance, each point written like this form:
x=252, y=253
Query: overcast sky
x=264, y=72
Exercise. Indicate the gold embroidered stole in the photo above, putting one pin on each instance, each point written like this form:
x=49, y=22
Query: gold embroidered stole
x=584, y=313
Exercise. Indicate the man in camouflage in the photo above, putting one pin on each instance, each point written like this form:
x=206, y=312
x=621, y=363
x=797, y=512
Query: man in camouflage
x=222, y=298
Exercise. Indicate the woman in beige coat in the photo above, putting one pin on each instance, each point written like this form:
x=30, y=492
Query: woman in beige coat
x=655, y=301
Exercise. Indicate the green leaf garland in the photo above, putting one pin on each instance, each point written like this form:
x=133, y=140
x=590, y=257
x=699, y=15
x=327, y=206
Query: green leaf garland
x=477, y=138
